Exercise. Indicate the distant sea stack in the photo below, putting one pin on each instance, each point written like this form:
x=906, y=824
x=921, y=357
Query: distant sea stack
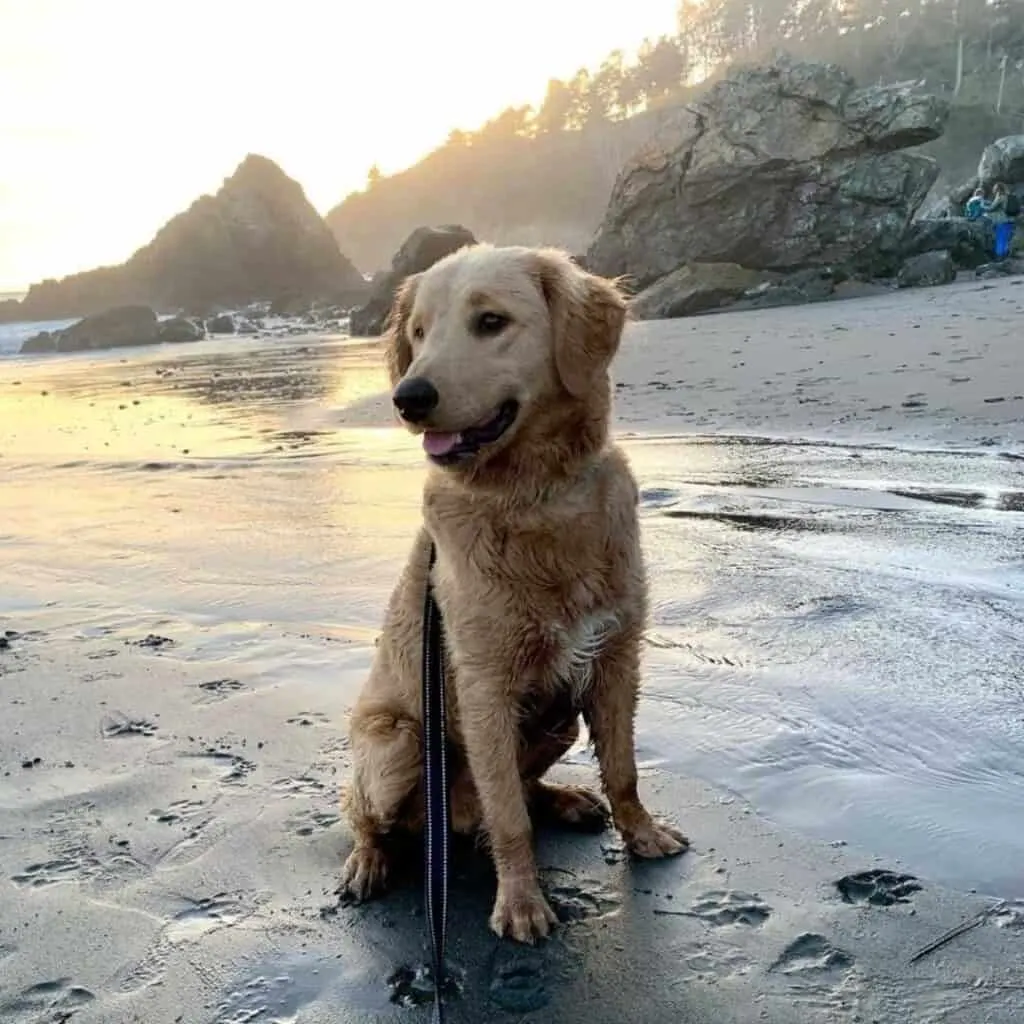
x=257, y=239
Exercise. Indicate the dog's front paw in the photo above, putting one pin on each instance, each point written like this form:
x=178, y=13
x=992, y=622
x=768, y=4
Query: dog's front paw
x=365, y=873
x=653, y=839
x=521, y=912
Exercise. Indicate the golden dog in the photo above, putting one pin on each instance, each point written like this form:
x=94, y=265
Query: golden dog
x=499, y=357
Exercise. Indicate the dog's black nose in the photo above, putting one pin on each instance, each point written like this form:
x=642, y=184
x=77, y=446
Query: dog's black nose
x=415, y=399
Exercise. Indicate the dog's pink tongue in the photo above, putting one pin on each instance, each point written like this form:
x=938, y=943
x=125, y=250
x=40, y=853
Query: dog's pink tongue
x=437, y=442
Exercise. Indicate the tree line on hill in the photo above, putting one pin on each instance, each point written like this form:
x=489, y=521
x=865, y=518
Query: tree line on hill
x=543, y=174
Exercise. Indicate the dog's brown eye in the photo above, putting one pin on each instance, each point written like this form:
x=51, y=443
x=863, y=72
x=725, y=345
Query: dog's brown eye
x=488, y=324
x=417, y=333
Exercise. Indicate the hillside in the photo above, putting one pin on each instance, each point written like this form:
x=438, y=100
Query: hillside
x=545, y=175
x=506, y=188
x=257, y=238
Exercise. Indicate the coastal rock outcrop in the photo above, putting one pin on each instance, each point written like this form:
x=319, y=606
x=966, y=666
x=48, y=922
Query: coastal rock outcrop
x=926, y=270
x=775, y=168
x=694, y=288
x=969, y=242
x=421, y=250
x=1003, y=161
x=179, y=329
x=257, y=238
x=113, y=328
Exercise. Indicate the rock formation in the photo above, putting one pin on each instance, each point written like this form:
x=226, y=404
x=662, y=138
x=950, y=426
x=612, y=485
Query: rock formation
x=779, y=168
x=258, y=238
x=970, y=243
x=421, y=250
x=930, y=268
x=695, y=288
x=113, y=328
x=1003, y=161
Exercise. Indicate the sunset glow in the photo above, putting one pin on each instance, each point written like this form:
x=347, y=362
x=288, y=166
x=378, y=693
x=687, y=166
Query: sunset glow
x=116, y=114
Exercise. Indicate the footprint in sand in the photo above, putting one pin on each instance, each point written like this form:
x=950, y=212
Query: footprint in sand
x=195, y=920
x=218, y=689
x=298, y=785
x=305, y=823
x=236, y=767
x=720, y=907
x=308, y=718
x=152, y=642
x=116, y=724
x=578, y=900
x=878, y=887
x=179, y=810
x=414, y=986
x=811, y=954
x=52, y=1002
x=53, y=872
x=519, y=980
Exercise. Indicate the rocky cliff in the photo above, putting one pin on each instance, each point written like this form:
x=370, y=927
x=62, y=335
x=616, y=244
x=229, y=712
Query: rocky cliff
x=258, y=238
x=776, y=168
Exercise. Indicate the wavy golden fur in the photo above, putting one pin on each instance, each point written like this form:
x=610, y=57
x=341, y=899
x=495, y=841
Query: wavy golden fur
x=539, y=576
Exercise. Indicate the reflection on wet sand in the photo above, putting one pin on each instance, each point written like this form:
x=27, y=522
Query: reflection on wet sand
x=215, y=487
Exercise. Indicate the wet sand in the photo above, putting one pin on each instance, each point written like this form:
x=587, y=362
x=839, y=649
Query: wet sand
x=197, y=547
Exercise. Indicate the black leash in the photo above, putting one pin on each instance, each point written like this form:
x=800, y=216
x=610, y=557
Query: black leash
x=435, y=787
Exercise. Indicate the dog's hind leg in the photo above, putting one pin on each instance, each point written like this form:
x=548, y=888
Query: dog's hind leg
x=387, y=755
x=574, y=806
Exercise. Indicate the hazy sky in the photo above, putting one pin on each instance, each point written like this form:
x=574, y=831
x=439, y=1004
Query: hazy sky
x=115, y=114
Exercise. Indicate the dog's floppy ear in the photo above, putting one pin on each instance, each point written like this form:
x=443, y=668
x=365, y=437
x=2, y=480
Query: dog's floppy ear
x=397, y=351
x=587, y=316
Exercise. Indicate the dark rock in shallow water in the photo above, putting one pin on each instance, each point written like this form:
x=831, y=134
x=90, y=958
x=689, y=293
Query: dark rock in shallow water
x=113, y=328
x=775, y=168
x=223, y=324
x=930, y=268
x=420, y=251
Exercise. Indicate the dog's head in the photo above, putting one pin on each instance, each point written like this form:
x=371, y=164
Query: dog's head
x=491, y=340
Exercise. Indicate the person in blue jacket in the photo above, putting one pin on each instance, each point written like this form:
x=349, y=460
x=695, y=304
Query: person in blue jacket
x=975, y=205
x=998, y=211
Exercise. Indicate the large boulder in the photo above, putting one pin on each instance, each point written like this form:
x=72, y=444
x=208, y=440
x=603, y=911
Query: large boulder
x=1003, y=161
x=113, y=328
x=774, y=168
x=420, y=251
x=970, y=243
x=926, y=270
x=815, y=284
x=694, y=288
x=180, y=329
x=224, y=323
x=257, y=238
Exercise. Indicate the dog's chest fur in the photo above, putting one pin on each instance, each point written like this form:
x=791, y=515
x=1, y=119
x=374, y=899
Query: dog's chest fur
x=577, y=647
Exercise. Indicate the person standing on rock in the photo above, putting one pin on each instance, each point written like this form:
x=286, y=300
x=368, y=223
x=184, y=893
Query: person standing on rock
x=975, y=205
x=999, y=213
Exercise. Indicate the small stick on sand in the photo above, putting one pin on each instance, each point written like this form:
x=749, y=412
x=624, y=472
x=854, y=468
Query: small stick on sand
x=956, y=932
